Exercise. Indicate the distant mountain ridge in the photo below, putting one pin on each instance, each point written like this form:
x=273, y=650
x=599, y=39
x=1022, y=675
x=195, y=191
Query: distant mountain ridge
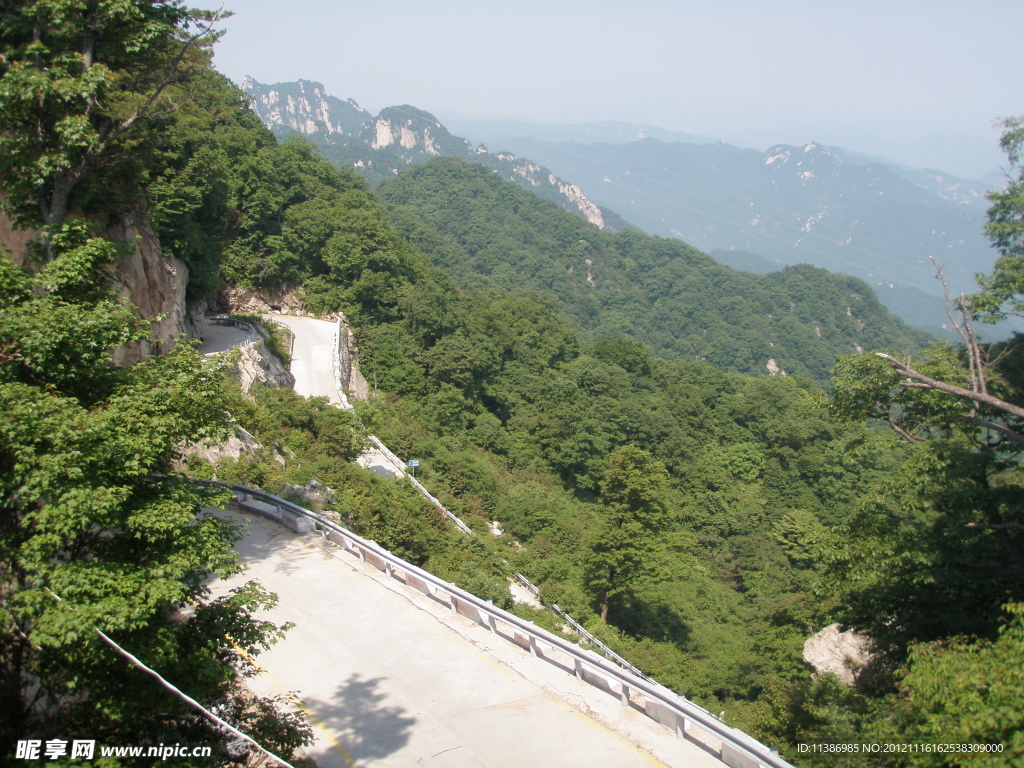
x=825, y=206
x=811, y=204
x=491, y=235
x=381, y=146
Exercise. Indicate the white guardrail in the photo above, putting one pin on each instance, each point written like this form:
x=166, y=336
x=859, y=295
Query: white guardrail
x=224, y=320
x=584, y=633
x=675, y=712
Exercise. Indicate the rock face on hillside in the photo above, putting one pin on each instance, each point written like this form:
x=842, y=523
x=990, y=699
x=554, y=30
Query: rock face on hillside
x=154, y=283
x=256, y=365
x=841, y=653
x=287, y=299
x=238, y=443
x=305, y=108
x=399, y=137
x=352, y=381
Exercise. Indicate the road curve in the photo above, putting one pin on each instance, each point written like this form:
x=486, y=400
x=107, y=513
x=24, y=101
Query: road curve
x=390, y=678
x=312, y=355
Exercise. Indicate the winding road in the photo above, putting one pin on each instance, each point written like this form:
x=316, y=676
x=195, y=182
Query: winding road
x=390, y=677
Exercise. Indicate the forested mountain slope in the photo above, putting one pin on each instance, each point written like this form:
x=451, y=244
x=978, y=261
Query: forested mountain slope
x=381, y=146
x=703, y=522
x=488, y=233
x=793, y=204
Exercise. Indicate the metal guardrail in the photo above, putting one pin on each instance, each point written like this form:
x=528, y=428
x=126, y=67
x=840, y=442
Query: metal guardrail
x=225, y=320
x=582, y=631
x=400, y=465
x=675, y=712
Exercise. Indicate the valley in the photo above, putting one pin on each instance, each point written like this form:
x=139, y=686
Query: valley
x=705, y=466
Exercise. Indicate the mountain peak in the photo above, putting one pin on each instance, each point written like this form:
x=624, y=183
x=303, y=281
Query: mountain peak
x=399, y=137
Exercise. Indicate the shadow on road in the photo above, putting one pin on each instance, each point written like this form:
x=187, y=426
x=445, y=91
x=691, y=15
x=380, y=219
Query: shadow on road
x=361, y=720
x=260, y=540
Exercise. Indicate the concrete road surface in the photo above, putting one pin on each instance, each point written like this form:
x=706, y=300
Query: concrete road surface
x=390, y=678
x=376, y=461
x=220, y=338
x=311, y=355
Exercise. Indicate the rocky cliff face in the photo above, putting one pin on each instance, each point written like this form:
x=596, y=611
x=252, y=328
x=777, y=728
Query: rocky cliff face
x=399, y=137
x=351, y=379
x=256, y=365
x=285, y=298
x=304, y=107
x=843, y=654
x=153, y=283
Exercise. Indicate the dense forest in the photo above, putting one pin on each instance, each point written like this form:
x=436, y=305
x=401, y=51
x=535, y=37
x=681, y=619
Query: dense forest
x=597, y=420
x=489, y=233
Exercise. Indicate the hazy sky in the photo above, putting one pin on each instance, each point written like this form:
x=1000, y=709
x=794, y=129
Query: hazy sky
x=868, y=75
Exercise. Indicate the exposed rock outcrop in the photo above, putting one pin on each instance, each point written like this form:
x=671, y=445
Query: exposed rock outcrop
x=15, y=241
x=352, y=380
x=844, y=654
x=399, y=137
x=237, y=444
x=256, y=364
x=154, y=283
x=287, y=299
x=312, y=494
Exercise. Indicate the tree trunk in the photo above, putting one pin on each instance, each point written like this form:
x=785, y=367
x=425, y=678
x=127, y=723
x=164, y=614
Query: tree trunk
x=55, y=210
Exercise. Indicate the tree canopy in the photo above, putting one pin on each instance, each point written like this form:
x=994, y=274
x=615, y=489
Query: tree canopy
x=931, y=564
x=78, y=82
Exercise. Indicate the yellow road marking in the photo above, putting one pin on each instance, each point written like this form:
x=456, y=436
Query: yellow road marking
x=317, y=722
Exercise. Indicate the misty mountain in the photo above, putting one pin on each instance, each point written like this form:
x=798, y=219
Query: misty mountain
x=381, y=146
x=493, y=236
x=845, y=212
x=498, y=132
x=791, y=205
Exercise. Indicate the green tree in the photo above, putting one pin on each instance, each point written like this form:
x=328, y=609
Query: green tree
x=950, y=523
x=967, y=691
x=92, y=513
x=931, y=564
x=634, y=508
x=1002, y=291
x=79, y=81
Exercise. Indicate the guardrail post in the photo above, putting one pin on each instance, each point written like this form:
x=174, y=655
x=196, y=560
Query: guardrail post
x=672, y=711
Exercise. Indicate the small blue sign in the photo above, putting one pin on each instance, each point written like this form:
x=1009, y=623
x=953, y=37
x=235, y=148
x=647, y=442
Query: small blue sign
x=414, y=462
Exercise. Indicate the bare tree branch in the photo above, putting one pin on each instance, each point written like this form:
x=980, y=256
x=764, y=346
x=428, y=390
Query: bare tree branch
x=1016, y=437
x=966, y=331
x=905, y=433
x=979, y=397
